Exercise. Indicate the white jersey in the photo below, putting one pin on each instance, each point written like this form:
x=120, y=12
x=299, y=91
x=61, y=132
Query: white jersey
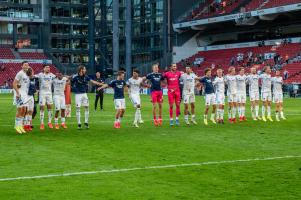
x=59, y=86
x=46, y=83
x=253, y=81
x=188, y=83
x=266, y=83
x=241, y=82
x=277, y=85
x=219, y=85
x=232, y=84
x=23, y=80
x=134, y=85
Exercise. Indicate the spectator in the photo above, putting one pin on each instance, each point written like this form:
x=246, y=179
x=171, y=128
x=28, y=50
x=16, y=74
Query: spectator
x=285, y=74
x=232, y=61
x=2, y=68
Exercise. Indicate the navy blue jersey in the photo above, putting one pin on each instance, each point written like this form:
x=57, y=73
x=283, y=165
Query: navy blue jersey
x=80, y=84
x=118, y=86
x=207, y=83
x=155, y=79
x=33, y=86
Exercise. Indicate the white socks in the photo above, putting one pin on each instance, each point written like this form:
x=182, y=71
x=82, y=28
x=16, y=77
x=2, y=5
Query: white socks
x=49, y=116
x=242, y=111
x=263, y=110
x=28, y=119
x=56, y=120
x=233, y=112
x=18, y=121
x=229, y=113
x=42, y=116
x=257, y=110
x=87, y=115
x=78, y=115
x=281, y=114
x=269, y=111
x=239, y=111
x=137, y=115
x=221, y=113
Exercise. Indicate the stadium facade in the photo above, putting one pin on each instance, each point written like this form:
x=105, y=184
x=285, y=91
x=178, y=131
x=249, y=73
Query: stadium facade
x=60, y=28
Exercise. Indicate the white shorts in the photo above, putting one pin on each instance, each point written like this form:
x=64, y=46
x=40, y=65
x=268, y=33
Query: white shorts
x=278, y=98
x=254, y=96
x=241, y=98
x=22, y=101
x=210, y=99
x=45, y=99
x=189, y=98
x=135, y=99
x=119, y=103
x=220, y=98
x=59, y=102
x=232, y=98
x=266, y=96
x=30, y=104
x=81, y=100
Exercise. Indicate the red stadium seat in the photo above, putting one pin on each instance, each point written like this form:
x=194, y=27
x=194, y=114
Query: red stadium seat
x=33, y=55
x=11, y=69
x=6, y=53
x=212, y=9
x=223, y=57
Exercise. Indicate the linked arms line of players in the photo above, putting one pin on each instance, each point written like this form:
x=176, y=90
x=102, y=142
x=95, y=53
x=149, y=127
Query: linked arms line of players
x=214, y=90
x=51, y=89
x=214, y=95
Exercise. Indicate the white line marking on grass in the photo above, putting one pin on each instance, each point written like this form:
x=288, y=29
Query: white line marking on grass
x=147, y=168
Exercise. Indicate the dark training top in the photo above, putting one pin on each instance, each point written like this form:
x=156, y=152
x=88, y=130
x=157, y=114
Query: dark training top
x=207, y=83
x=155, y=79
x=100, y=80
x=80, y=84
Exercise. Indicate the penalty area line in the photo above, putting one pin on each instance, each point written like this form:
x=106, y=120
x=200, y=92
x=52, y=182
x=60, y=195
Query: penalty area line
x=171, y=166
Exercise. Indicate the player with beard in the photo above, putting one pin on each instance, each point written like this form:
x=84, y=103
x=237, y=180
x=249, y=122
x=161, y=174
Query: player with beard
x=174, y=95
x=79, y=84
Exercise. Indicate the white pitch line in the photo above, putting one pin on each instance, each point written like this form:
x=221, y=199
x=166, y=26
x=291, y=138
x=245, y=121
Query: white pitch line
x=112, y=121
x=147, y=168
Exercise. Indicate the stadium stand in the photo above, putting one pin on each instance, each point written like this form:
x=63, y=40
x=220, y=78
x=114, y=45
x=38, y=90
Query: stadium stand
x=288, y=58
x=275, y=3
x=6, y=53
x=33, y=55
x=11, y=69
x=212, y=8
x=262, y=4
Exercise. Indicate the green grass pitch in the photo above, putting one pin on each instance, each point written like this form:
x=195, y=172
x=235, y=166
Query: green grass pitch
x=103, y=148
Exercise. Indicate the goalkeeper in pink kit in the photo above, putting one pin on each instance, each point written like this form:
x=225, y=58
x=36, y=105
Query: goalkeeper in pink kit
x=174, y=95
